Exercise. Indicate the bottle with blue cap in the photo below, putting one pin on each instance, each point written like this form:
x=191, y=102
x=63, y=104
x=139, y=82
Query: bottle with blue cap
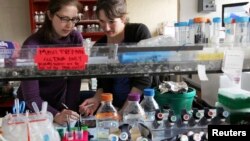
x=229, y=30
x=183, y=31
x=216, y=30
x=149, y=105
x=241, y=31
x=191, y=31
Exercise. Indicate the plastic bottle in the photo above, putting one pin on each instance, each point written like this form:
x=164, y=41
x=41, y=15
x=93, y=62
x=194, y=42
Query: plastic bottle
x=199, y=30
x=207, y=30
x=149, y=105
x=248, y=31
x=191, y=31
x=183, y=31
x=176, y=28
x=229, y=30
x=241, y=31
x=133, y=113
x=106, y=116
x=41, y=17
x=216, y=30
x=36, y=17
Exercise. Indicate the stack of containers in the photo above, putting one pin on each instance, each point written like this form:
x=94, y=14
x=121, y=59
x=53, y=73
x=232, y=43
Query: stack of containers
x=241, y=31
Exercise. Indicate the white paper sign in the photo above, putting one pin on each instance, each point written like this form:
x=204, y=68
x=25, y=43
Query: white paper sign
x=202, y=73
x=233, y=61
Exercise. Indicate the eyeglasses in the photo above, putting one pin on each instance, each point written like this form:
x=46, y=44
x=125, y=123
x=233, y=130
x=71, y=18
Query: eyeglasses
x=67, y=19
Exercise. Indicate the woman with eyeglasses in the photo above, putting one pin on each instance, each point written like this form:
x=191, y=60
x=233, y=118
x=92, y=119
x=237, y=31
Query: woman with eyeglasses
x=113, y=21
x=57, y=29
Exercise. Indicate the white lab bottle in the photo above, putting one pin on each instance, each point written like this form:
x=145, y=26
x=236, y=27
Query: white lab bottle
x=133, y=112
x=216, y=31
x=241, y=31
x=191, y=31
x=149, y=105
x=183, y=32
x=229, y=30
x=176, y=27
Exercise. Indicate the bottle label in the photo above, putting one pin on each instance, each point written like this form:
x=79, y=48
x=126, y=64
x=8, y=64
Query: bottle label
x=150, y=116
x=133, y=118
x=104, y=128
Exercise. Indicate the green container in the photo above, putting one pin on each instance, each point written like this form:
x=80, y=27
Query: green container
x=177, y=102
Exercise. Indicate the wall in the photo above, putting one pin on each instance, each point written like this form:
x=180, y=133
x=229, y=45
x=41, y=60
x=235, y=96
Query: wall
x=189, y=8
x=152, y=12
x=15, y=22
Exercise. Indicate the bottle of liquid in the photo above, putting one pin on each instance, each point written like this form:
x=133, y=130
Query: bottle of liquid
x=216, y=30
x=229, y=30
x=241, y=31
x=183, y=31
x=149, y=104
x=133, y=113
x=200, y=37
x=106, y=117
x=191, y=31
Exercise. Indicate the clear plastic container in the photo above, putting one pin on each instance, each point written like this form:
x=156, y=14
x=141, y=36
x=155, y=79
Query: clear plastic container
x=248, y=31
x=241, y=31
x=183, y=32
x=149, y=105
x=207, y=30
x=176, y=28
x=191, y=31
x=200, y=37
x=216, y=30
x=133, y=113
x=106, y=117
x=229, y=30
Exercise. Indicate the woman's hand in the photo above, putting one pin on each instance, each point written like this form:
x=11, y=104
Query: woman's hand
x=64, y=115
x=89, y=106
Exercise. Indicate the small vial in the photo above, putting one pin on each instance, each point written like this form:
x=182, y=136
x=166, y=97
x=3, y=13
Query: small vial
x=41, y=17
x=36, y=17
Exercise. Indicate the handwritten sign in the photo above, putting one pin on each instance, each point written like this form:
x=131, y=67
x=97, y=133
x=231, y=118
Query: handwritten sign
x=70, y=58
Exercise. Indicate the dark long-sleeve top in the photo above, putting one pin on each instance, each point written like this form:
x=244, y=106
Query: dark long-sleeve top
x=53, y=90
x=120, y=87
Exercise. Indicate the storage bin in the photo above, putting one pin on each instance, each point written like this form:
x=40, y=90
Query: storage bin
x=177, y=102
